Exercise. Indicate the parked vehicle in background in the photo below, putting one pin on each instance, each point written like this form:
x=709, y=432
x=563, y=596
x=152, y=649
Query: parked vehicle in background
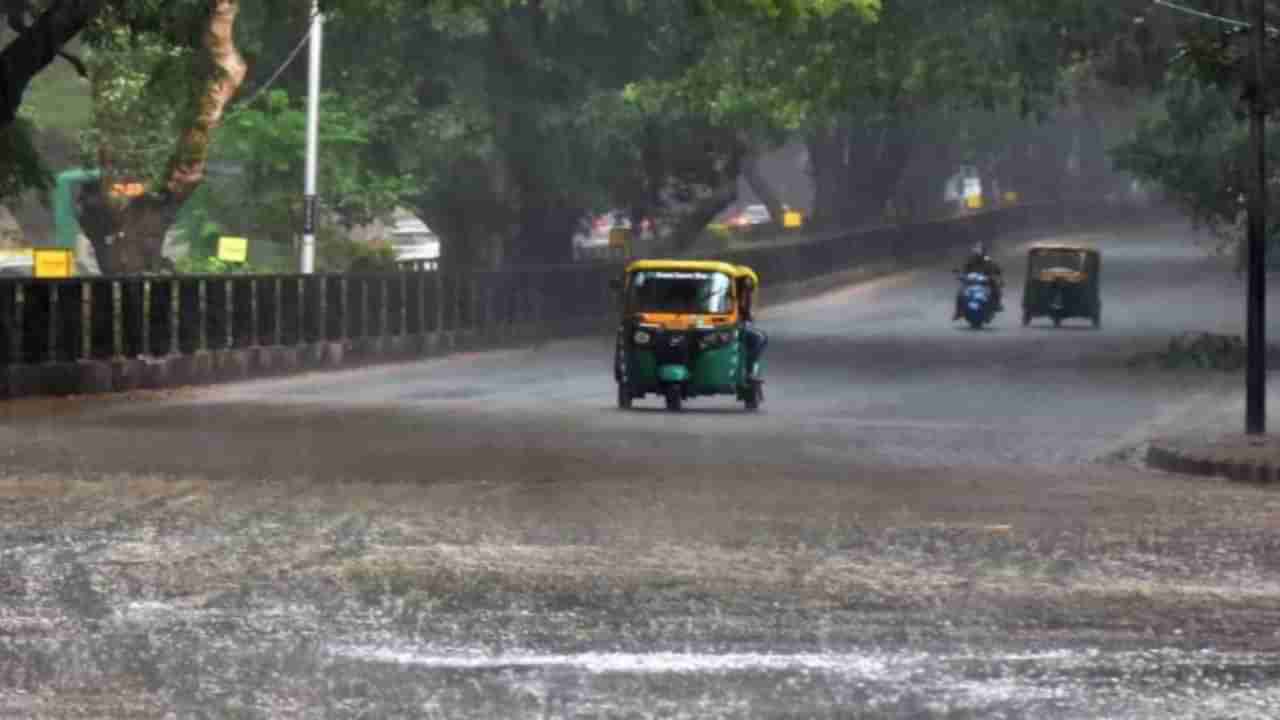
x=750, y=216
x=17, y=263
x=415, y=243
x=604, y=236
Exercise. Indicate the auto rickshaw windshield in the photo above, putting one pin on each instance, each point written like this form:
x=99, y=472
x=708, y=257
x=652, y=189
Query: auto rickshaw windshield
x=1058, y=259
x=680, y=291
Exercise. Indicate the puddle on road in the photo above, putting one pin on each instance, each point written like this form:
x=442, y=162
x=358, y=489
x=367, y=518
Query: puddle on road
x=1054, y=684
x=638, y=663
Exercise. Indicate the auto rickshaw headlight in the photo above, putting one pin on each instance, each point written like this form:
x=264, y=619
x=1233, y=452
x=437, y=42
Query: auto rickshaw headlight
x=642, y=337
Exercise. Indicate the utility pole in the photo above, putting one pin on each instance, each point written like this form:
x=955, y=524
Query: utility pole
x=1256, y=364
x=313, y=142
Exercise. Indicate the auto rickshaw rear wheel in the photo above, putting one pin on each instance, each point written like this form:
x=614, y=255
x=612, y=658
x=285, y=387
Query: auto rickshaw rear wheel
x=1057, y=321
x=1097, y=321
x=675, y=398
x=624, y=396
x=753, y=396
x=1026, y=319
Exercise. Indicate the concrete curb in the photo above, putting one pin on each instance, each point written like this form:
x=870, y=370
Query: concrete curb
x=1213, y=458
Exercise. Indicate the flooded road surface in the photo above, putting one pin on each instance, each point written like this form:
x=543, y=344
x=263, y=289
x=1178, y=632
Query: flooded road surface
x=923, y=521
x=1057, y=684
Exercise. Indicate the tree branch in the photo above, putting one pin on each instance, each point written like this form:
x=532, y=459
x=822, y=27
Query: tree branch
x=81, y=69
x=186, y=169
x=37, y=46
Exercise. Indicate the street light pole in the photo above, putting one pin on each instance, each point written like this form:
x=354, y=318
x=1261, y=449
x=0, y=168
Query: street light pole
x=1256, y=364
x=313, y=142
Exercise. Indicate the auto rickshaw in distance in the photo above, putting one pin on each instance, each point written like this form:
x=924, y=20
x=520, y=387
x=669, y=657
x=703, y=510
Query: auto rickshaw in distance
x=681, y=332
x=1062, y=282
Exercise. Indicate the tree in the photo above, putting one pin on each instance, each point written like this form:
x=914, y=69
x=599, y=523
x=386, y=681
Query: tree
x=159, y=95
x=41, y=30
x=1194, y=144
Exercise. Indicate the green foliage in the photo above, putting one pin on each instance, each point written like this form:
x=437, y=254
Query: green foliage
x=142, y=84
x=1194, y=146
x=267, y=142
x=500, y=121
x=1199, y=351
x=192, y=265
x=197, y=227
x=337, y=253
x=1195, y=150
x=372, y=257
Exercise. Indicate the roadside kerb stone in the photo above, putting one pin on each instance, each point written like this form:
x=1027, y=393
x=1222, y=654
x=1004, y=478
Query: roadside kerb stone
x=230, y=365
x=1238, y=457
x=193, y=369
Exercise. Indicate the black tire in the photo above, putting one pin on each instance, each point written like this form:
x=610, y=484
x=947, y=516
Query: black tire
x=624, y=396
x=754, y=396
x=1057, y=321
x=974, y=322
x=1026, y=319
x=675, y=399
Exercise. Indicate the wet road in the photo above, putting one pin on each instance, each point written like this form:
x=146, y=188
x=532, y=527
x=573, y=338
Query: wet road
x=873, y=374
x=880, y=414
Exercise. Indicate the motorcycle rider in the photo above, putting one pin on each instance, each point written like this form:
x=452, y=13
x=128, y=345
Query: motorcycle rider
x=980, y=262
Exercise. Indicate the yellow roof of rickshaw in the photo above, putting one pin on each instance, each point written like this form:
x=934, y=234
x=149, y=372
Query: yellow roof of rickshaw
x=695, y=266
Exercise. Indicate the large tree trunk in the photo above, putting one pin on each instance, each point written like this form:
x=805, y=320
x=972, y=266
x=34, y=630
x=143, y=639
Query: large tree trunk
x=921, y=191
x=133, y=240
x=856, y=171
x=692, y=223
x=37, y=46
x=761, y=186
x=827, y=149
x=879, y=158
x=546, y=234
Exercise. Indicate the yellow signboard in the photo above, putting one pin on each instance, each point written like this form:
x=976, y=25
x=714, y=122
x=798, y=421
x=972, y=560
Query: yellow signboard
x=54, y=263
x=973, y=202
x=233, y=249
x=792, y=219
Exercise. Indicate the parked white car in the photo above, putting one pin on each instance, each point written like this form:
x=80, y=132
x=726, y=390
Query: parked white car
x=413, y=241
x=751, y=215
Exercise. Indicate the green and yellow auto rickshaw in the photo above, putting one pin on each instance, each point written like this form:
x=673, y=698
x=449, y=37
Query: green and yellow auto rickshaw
x=682, y=332
x=1062, y=282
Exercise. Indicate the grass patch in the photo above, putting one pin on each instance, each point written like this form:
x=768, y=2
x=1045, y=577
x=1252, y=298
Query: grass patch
x=1201, y=351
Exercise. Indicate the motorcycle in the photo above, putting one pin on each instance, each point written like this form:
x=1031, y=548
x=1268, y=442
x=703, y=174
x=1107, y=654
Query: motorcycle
x=977, y=304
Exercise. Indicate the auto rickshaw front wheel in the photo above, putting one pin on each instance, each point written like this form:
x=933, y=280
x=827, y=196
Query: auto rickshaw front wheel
x=675, y=397
x=753, y=396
